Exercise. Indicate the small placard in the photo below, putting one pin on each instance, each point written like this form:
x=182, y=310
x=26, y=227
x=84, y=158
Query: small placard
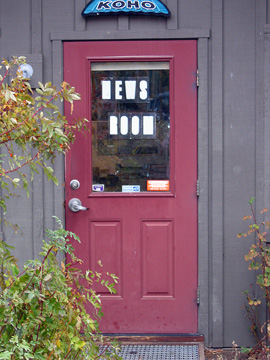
x=131, y=188
x=158, y=185
x=98, y=187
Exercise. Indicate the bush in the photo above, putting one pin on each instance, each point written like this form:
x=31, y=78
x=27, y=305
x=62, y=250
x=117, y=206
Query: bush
x=42, y=309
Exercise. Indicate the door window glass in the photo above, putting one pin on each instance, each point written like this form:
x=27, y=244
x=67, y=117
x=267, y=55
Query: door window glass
x=130, y=126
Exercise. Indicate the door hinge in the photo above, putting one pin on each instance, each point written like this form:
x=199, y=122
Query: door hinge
x=198, y=187
x=198, y=295
x=197, y=78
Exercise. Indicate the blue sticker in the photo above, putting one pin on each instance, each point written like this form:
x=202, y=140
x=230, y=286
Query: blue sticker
x=127, y=7
x=131, y=188
x=98, y=187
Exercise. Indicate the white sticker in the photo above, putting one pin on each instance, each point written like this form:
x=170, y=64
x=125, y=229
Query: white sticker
x=135, y=125
x=118, y=90
x=148, y=125
x=113, y=125
x=130, y=86
x=131, y=188
x=124, y=125
x=106, y=89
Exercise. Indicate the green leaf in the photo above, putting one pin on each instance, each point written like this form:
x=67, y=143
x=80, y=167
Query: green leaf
x=47, y=277
x=15, y=269
x=6, y=355
x=40, y=92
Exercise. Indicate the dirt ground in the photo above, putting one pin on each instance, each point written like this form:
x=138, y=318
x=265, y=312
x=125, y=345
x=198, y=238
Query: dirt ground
x=234, y=354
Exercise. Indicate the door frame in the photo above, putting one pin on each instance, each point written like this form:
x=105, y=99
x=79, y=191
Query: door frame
x=202, y=36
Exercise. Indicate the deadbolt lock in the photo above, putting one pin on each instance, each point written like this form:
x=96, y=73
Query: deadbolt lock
x=74, y=184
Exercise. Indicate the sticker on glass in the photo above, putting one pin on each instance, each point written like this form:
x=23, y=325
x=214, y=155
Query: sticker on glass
x=98, y=187
x=158, y=185
x=131, y=188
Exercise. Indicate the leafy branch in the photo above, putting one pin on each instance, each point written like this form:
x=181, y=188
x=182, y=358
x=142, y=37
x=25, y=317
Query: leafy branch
x=32, y=129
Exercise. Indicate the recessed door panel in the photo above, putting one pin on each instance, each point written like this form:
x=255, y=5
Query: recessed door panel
x=157, y=259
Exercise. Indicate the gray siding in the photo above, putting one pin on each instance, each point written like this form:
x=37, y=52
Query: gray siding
x=234, y=117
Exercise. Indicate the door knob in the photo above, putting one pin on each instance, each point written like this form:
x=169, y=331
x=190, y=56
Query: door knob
x=74, y=184
x=75, y=205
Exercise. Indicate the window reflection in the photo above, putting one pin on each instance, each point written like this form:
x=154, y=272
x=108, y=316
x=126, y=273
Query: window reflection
x=130, y=126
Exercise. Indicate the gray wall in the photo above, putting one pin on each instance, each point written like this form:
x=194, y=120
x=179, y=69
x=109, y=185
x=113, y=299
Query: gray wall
x=234, y=113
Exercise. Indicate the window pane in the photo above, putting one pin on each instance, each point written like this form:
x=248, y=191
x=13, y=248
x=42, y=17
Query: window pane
x=130, y=126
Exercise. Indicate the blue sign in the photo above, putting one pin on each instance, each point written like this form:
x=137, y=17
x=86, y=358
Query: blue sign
x=127, y=7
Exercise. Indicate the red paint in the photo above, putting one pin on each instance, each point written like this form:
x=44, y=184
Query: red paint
x=149, y=239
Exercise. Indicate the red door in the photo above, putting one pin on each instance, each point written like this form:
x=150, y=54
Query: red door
x=137, y=170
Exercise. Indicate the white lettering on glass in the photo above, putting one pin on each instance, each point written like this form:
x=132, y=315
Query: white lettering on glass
x=113, y=125
x=130, y=87
x=106, y=89
x=118, y=90
x=124, y=125
x=135, y=125
x=148, y=125
x=143, y=89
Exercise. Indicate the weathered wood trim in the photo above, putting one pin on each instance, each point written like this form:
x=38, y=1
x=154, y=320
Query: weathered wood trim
x=260, y=121
x=59, y=168
x=262, y=143
x=80, y=23
x=37, y=213
x=267, y=29
x=266, y=129
x=123, y=23
x=260, y=21
x=216, y=185
x=36, y=21
x=130, y=35
x=172, y=21
x=203, y=176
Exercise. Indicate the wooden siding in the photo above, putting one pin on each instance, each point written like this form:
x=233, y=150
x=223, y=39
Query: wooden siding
x=234, y=117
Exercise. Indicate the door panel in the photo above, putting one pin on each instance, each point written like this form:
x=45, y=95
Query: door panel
x=137, y=170
x=157, y=259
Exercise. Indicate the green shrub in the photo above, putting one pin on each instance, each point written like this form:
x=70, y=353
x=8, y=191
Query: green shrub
x=42, y=308
x=258, y=297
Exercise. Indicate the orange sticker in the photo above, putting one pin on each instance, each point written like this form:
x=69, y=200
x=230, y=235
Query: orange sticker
x=158, y=185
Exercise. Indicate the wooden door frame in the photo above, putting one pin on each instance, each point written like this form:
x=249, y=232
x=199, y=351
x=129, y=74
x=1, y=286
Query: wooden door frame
x=202, y=36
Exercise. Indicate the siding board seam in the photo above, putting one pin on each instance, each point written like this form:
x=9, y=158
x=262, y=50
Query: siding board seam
x=80, y=23
x=217, y=189
x=36, y=21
